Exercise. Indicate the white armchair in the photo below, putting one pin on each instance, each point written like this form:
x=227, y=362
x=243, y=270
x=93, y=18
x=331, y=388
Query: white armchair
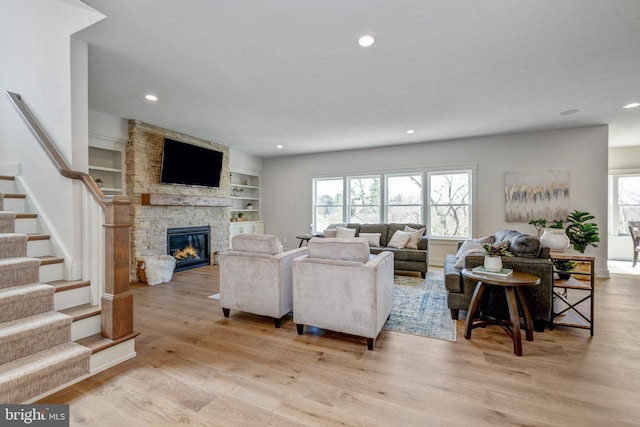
x=256, y=276
x=340, y=287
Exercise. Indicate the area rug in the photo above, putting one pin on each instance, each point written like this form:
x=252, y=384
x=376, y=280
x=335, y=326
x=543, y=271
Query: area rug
x=420, y=308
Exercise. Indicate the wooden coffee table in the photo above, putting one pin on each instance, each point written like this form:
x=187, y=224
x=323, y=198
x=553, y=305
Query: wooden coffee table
x=512, y=286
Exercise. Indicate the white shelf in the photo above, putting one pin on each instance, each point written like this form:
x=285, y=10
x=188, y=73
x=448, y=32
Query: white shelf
x=100, y=168
x=250, y=186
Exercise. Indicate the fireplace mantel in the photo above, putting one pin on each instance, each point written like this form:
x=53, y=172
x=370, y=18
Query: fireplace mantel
x=149, y=199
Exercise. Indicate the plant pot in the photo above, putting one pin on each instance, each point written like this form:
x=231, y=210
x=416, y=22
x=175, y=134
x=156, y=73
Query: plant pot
x=564, y=275
x=492, y=263
x=555, y=239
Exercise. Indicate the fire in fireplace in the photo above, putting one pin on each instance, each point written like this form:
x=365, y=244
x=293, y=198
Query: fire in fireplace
x=189, y=246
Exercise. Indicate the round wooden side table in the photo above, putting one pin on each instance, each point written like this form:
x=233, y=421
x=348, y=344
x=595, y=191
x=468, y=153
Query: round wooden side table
x=512, y=286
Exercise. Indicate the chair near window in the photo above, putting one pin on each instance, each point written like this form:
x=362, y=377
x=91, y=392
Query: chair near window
x=634, y=230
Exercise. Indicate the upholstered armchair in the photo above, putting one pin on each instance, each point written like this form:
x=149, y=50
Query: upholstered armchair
x=340, y=287
x=256, y=276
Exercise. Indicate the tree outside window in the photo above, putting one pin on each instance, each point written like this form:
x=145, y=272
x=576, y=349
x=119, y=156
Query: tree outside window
x=627, y=201
x=449, y=204
x=328, y=202
x=364, y=200
x=404, y=198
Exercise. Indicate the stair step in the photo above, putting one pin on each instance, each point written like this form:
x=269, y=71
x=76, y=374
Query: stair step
x=26, y=215
x=67, y=285
x=13, y=245
x=48, y=260
x=25, y=300
x=51, y=268
x=34, y=237
x=18, y=271
x=81, y=311
x=7, y=222
x=26, y=223
x=98, y=343
x=14, y=196
x=28, y=335
x=7, y=178
x=38, y=245
x=39, y=373
x=14, y=203
x=69, y=297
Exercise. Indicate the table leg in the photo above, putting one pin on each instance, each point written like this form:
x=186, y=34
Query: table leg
x=526, y=313
x=515, y=320
x=300, y=245
x=473, y=308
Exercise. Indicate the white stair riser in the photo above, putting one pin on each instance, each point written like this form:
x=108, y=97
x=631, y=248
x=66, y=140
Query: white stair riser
x=26, y=225
x=7, y=186
x=36, y=248
x=71, y=298
x=112, y=356
x=51, y=273
x=86, y=327
x=14, y=205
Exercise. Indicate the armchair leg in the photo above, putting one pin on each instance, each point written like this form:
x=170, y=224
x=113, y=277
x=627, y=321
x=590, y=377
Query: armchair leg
x=635, y=259
x=454, y=313
x=370, y=343
x=225, y=311
x=423, y=275
x=300, y=328
x=277, y=322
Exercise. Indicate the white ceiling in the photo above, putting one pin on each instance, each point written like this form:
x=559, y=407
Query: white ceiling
x=251, y=74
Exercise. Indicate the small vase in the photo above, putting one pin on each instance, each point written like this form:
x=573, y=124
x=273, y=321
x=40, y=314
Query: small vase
x=555, y=239
x=492, y=263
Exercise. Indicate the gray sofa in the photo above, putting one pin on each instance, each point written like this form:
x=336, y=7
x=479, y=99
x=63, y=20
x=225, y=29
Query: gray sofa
x=403, y=259
x=529, y=257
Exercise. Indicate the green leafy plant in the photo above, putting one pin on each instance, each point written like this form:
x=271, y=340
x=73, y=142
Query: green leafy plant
x=541, y=223
x=496, y=250
x=582, y=233
x=564, y=264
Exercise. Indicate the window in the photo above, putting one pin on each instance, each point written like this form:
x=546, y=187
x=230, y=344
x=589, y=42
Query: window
x=626, y=202
x=364, y=200
x=404, y=198
x=445, y=205
x=449, y=204
x=328, y=202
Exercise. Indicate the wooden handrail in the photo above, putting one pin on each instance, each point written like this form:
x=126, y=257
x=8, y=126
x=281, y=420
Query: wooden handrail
x=53, y=152
x=117, y=299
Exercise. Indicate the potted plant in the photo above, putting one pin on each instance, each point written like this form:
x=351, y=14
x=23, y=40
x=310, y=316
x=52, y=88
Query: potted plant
x=564, y=267
x=493, y=256
x=580, y=232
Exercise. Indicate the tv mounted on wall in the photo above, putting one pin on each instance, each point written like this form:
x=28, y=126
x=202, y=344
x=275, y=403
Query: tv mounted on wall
x=189, y=164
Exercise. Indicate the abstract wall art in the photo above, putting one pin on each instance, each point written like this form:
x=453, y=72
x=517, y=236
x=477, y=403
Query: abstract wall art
x=536, y=194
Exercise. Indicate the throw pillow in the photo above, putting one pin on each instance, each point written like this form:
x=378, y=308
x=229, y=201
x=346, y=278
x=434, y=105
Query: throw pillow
x=463, y=256
x=343, y=232
x=415, y=236
x=399, y=239
x=330, y=232
x=372, y=238
x=468, y=245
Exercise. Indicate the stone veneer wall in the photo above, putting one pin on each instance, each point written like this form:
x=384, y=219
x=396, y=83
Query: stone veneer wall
x=149, y=224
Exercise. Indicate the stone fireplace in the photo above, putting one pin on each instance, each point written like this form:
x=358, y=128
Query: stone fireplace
x=189, y=246
x=156, y=207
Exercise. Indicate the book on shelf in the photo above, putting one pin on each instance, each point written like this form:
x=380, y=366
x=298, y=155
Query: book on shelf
x=505, y=272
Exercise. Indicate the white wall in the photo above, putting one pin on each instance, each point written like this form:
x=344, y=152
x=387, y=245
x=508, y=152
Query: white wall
x=40, y=64
x=286, y=181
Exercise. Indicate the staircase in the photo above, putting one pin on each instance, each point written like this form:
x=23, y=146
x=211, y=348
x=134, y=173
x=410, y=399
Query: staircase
x=41, y=315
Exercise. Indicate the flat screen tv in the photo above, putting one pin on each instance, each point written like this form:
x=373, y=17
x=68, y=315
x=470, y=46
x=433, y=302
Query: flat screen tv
x=189, y=164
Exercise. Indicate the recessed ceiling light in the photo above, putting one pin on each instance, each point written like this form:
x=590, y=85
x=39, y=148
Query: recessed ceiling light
x=151, y=97
x=632, y=105
x=570, y=112
x=366, y=41
x=410, y=131
x=279, y=146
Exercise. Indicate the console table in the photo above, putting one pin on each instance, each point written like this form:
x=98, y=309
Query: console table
x=512, y=286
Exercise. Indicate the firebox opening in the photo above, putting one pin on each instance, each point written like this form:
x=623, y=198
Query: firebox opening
x=190, y=246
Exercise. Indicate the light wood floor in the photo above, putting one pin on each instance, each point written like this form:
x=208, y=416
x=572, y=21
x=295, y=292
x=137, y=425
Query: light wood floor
x=196, y=368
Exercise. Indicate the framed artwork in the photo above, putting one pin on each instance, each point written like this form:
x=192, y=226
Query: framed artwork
x=536, y=194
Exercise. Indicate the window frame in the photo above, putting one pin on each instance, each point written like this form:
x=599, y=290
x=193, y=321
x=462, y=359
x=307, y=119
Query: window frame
x=387, y=176
x=614, y=204
x=470, y=205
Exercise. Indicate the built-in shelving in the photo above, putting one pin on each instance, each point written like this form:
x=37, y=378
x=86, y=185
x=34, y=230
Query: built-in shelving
x=106, y=164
